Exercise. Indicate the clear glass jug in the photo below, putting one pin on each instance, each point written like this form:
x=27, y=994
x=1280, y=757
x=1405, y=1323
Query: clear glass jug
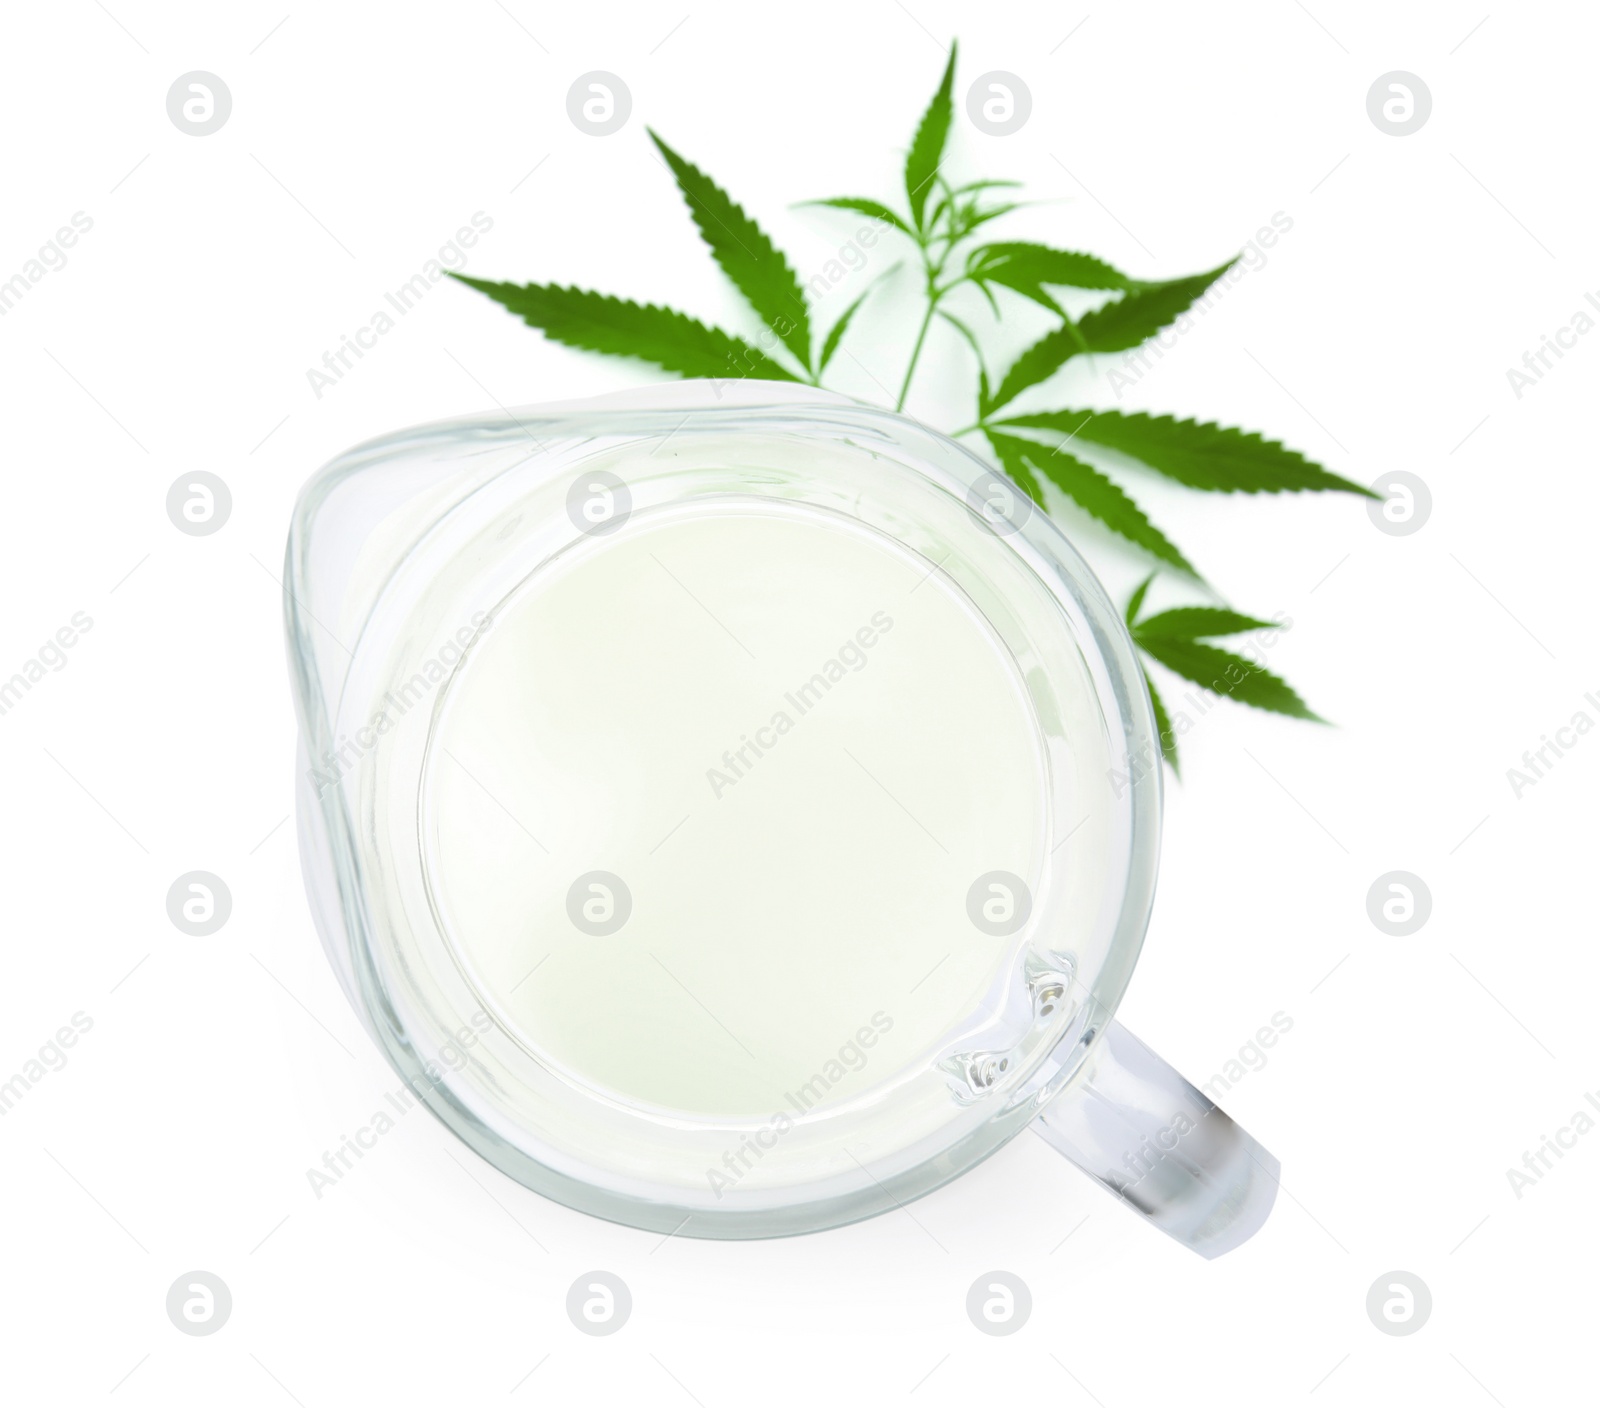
x=734, y=812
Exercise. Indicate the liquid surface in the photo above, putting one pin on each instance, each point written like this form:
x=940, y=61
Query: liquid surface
x=796, y=745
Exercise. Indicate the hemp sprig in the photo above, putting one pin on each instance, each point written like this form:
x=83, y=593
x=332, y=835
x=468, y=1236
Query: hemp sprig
x=946, y=226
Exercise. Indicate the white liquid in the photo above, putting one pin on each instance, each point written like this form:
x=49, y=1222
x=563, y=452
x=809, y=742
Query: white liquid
x=782, y=904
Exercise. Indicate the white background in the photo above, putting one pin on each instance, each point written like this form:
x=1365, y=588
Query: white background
x=1377, y=338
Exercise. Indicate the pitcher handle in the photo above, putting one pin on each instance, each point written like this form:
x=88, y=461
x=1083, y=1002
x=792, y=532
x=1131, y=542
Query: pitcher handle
x=1137, y=1127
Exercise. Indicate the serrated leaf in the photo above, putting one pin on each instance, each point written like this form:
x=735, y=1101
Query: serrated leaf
x=1008, y=451
x=1093, y=493
x=1126, y=322
x=1027, y=268
x=927, y=147
x=1038, y=362
x=1164, y=732
x=836, y=332
x=1137, y=599
x=877, y=209
x=599, y=323
x=1144, y=310
x=1199, y=622
x=1018, y=264
x=755, y=265
x=1036, y=292
x=1200, y=454
x=1223, y=672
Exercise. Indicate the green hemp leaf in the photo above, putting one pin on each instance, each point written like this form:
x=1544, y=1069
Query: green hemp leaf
x=1070, y=461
